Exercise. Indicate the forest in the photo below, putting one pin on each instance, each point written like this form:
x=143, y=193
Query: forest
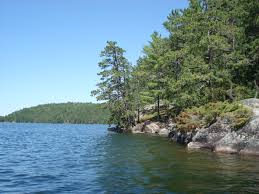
x=210, y=55
x=88, y=113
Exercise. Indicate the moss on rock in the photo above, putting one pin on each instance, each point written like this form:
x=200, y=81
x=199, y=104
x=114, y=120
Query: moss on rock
x=196, y=117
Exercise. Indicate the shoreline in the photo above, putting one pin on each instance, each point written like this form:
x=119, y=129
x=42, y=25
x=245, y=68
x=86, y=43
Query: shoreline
x=54, y=123
x=219, y=137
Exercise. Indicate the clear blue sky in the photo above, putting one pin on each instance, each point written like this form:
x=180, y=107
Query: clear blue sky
x=49, y=49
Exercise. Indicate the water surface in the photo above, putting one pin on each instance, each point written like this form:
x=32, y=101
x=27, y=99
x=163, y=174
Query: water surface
x=59, y=158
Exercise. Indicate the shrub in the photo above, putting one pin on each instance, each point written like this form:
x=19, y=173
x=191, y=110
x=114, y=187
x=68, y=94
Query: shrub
x=151, y=116
x=204, y=116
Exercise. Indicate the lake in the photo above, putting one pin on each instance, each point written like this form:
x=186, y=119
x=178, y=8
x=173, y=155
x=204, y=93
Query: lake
x=63, y=158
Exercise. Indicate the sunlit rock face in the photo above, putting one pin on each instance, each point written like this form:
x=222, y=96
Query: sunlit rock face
x=155, y=128
x=221, y=138
x=218, y=137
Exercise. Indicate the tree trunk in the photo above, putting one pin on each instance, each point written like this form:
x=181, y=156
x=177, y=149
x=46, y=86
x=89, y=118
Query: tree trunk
x=231, y=92
x=256, y=88
x=158, y=108
x=209, y=51
x=138, y=116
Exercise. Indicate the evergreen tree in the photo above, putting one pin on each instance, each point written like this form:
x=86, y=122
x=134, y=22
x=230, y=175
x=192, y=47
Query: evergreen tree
x=150, y=72
x=211, y=54
x=114, y=87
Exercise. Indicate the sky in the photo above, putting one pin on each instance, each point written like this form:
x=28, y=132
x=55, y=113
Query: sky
x=49, y=49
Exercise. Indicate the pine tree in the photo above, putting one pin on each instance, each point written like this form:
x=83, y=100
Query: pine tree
x=114, y=87
x=211, y=54
x=150, y=72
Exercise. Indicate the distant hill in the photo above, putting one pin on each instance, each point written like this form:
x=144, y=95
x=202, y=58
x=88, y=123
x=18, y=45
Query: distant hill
x=60, y=113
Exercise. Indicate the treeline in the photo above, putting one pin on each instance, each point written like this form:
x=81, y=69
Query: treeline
x=61, y=113
x=211, y=54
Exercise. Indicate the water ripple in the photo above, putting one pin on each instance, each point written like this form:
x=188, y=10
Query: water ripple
x=48, y=158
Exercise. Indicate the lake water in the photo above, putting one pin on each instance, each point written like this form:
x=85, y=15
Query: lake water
x=59, y=158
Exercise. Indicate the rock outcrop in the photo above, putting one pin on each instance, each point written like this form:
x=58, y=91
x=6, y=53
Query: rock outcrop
x=180, y=137
x=220, y=137
x=207, y=137
x=139, y=128
x=164, y=132
x=151, y=128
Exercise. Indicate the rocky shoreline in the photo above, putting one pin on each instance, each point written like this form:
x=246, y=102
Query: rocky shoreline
x=218, y=137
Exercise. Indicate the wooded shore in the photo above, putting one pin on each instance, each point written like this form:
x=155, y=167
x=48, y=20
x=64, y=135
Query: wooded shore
x=228, y=133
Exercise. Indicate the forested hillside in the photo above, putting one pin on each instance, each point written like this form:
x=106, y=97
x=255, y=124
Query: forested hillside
x=211, y=54
x=61, y=113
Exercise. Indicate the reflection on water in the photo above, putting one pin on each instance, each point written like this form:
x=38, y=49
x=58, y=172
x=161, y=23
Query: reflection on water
x=152, y=164
x=87, y=159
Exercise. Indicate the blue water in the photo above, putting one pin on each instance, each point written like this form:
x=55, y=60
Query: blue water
x=59, y=158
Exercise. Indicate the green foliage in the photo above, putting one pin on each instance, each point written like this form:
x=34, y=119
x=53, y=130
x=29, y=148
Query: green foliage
x=211, y=55
x=61, y=113
x=197, y=117
x=114, y=87
x=149, y=71
x=242, y=92
x=151, y=116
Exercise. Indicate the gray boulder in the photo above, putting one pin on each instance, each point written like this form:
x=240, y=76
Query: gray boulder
x=251, y=102
x=252, y=147
x=139, y=128
x=252, y=127
x=207, y=137
x=221, y=138
x=230, y=143
x=198, y=145
x=180, y=137
x=164, y=132
x=152, y=128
